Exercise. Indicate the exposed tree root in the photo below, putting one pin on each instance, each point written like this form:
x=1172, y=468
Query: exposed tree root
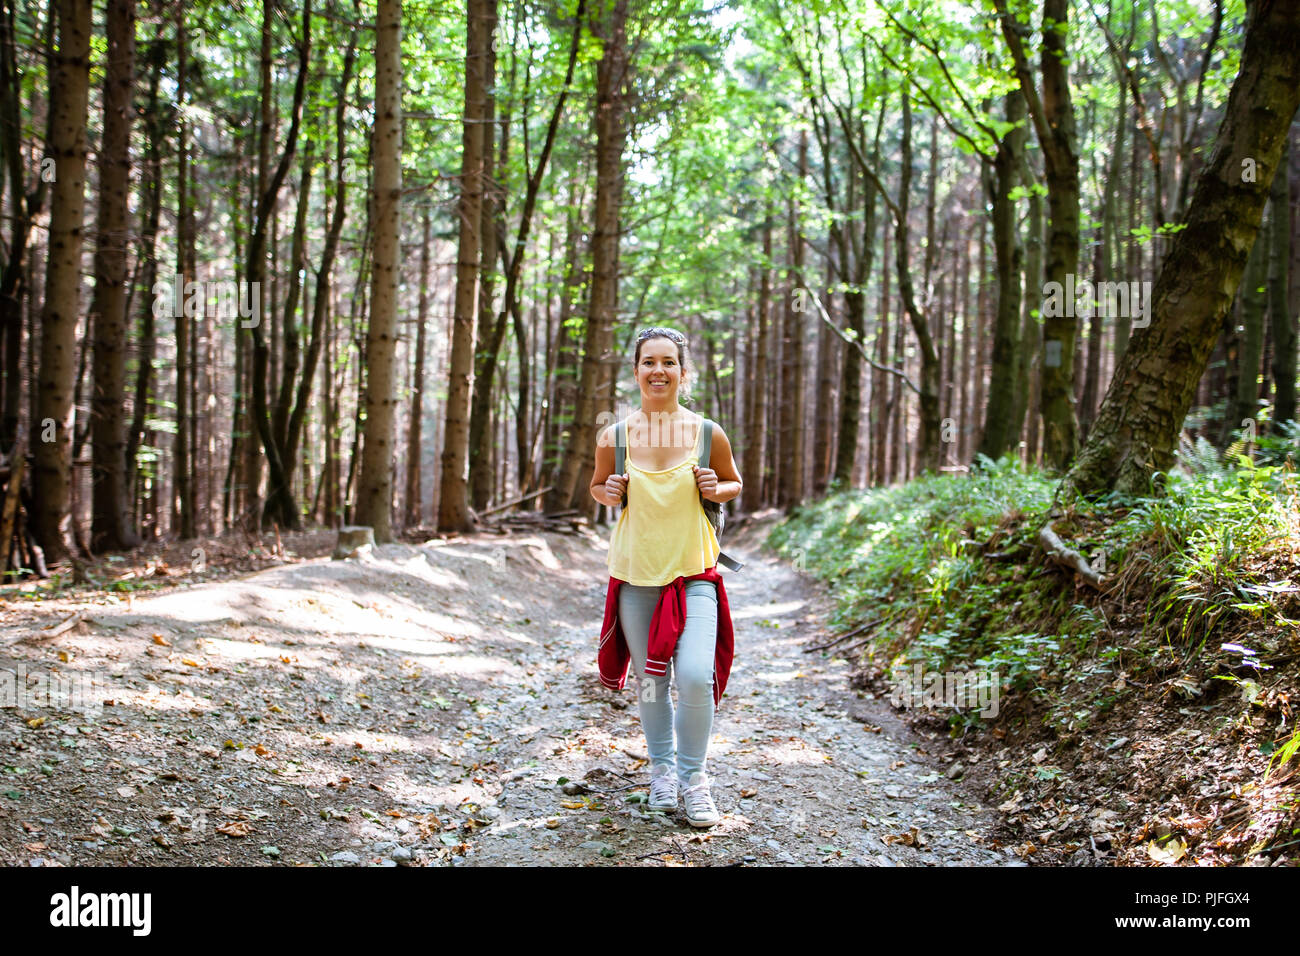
x=1058, y=553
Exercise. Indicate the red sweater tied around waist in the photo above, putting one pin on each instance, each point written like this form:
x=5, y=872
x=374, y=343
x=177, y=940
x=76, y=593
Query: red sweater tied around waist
x=666, y=627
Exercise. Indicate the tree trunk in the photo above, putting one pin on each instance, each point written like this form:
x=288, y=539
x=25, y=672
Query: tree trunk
x=280, y=501
x=882, y=383
x=23, y=208
x=453, y=502
x=52, y=429
x=968, y=403
x=110, y=517
x=1053, y=117
x=1092, y=366
x=1284, y=332
x=928, y=443
x=151, y=183
x=1110, y=217
x=824, y=417
x=564, y=387
x=611, y=135
x=512, y=263
x=325, y=274
x=1028, y=358
x=491, y=331
x=851, y=380
x=414, y=442
x=897, y=422
x=182, y=465
x=291, y=354
x=755, y=429
x=1153, y=386
x=792, y=409
x=1244, y=407
x=375, y=487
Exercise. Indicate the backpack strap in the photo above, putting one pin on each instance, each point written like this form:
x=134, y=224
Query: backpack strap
x=706, y=434
x=620, y=451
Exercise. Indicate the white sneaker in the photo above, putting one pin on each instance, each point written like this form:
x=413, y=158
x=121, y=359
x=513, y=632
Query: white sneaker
x=700, y=811
x=663, y=787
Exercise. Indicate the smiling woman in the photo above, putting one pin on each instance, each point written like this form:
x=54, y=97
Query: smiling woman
x=666, y=604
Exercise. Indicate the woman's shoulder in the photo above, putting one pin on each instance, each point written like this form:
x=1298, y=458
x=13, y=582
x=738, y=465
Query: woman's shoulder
x=714, y=424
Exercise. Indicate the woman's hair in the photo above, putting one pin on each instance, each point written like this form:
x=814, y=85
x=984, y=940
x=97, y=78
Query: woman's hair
x=683, y=356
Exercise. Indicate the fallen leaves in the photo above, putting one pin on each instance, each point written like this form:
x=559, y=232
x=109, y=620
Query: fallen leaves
x=235, y=828
x=910, y=837
x=1173, y=851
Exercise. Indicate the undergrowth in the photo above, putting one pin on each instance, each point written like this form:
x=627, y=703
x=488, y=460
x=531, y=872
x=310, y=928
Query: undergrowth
x=945, y=572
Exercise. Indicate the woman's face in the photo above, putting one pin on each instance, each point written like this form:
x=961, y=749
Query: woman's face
x=659, y=373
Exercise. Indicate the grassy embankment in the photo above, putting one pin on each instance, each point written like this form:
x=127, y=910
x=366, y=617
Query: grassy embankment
x=1156, y=712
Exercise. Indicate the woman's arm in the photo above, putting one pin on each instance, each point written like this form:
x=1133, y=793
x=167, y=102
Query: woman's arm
x=723, y=483
x=607, y=487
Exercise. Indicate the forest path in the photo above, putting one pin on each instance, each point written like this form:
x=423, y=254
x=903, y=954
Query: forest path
x=423, y=705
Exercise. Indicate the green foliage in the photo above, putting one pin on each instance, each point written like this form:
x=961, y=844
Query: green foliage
x=911, y=557
x=1145, y=234
x=898, y=555
x=1281, y=444
x=1283, y=754
x=1203, y=537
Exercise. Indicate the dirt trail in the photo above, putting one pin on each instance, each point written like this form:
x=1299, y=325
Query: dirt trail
x=427, y=705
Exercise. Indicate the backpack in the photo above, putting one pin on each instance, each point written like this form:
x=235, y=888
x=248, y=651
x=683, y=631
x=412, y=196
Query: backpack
x=712, y=509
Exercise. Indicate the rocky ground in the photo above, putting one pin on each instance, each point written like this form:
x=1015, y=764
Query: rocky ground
x=438, y=704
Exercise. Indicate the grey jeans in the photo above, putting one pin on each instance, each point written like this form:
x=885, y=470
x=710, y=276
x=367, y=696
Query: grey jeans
x=692, y=663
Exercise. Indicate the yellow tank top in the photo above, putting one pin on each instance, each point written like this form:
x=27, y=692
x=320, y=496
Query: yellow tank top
x=663, y=532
